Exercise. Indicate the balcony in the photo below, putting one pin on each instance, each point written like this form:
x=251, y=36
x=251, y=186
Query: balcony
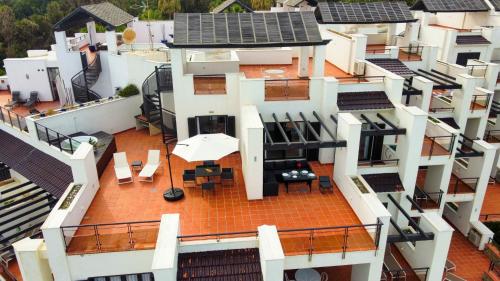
x=209, y=84
x=427, y=200
x=405, y=53
x=480, y=102
x=286, y=89
x=437, y=141
x=460, y=185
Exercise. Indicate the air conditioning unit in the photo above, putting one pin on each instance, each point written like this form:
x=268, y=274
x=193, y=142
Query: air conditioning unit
x=474, y=237
x=359, y=68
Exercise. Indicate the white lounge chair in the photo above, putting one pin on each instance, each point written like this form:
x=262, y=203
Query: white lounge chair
x=122, y=168
x=151, y=166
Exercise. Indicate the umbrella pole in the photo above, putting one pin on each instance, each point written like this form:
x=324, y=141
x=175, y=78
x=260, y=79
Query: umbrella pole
x=174, y=193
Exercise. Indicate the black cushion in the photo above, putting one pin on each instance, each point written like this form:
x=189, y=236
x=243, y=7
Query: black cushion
x=190, y=172
x=268, y=165
x=188, y=177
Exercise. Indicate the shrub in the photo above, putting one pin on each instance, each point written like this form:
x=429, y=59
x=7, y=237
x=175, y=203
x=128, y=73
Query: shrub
x=130, y=90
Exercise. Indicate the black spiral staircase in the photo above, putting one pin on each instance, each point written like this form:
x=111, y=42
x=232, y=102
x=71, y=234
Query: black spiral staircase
x=84, y=80
x=157, y=82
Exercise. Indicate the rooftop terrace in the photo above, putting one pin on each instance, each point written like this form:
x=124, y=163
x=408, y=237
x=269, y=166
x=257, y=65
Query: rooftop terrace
x=226, y=210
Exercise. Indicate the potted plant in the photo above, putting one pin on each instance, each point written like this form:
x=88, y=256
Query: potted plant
x=130, y=90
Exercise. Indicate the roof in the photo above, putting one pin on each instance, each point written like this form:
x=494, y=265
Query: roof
x=496, y=4
x=386, y=182
x=103, y=13
x=360, y=13
x=245, y=30
x=363, y=101
x=228, y=3
x=45, y=171
x=435, y=6
x=471, y=40
x=393, y=65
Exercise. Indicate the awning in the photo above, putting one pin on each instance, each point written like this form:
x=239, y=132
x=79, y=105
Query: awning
x=103, y=13
x=347, y=101
x=305, y=142
x=393, y=65
x=330, y=12
x=245, y=30
x=45, y=171
x=441, y=80
x=377, y=129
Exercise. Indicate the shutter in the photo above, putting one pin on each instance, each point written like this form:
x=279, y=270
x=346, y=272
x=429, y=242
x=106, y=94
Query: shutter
x=231, y=126
x=192, y=127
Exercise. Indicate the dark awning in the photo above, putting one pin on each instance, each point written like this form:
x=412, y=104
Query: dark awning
x=362, y=13
x=450, y=121
x=451, y=6
x=304, y=141
x=363, y=101
x=441, y=80
x=393, y=65
x=385, y=182
x=472, y=40
x=45, y=171
x=103, y=13
x=381, y=127
x=245, y=30
x=228, y=3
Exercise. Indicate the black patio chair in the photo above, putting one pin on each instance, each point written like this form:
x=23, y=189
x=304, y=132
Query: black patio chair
x=325, y=184
x=188, y=178
x=207, y=186
x=227, y=176
x=16, y=100
x=32, y=100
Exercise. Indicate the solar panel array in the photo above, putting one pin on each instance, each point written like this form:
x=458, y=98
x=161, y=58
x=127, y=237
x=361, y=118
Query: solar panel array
x=374, y=12
x=496, y=4
x=451, y=5
x=203, y=30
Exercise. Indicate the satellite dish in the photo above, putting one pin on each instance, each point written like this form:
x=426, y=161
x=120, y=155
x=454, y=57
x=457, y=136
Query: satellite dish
x=128, y=35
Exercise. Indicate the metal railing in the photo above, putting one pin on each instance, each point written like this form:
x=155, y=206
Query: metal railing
x=492, y=136
x=480, y=102
x=209, y=84
x=410, y=53
x=309, y=241
x=438, y=137
x=441, y=109
x=404, y=274
x=376, y=163
x=218, y=236
x=489, y=217
x=286, y=89
x=360, y=79
x=13, y=119
x=378, y=51
x=110, y=237
x=462, y=185
x=53, y=138
x=427, y=200
x=473, y=69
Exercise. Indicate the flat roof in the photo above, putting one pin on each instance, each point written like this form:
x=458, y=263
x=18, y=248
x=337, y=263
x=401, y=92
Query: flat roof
x=363, y=101
x=393, y=65
x=245, y=30
x=330, y=12
x=451, y=6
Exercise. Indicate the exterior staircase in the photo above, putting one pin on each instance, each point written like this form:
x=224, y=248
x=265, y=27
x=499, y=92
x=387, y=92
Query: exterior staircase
x=84, y=80
x=157, y=115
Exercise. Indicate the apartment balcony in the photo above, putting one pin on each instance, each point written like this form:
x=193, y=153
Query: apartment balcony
x=125, y=217
x=209, y=84
x=427, y=200
x=437, y=141
x=462, y=185
x=286, y=89
x=403, y=53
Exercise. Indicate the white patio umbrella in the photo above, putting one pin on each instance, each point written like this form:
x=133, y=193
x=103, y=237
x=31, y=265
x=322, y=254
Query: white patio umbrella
x=206, y=147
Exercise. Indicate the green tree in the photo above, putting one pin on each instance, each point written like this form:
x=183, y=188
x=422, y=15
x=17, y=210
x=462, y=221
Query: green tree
x=169, y=7
x=261, y=4
x=54, y=12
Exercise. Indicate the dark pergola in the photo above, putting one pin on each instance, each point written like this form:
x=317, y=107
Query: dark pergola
x=441, y=80
x=421, y=235
x=409, y=90
x=466, y=150
x=376, y=130
x=303, y=143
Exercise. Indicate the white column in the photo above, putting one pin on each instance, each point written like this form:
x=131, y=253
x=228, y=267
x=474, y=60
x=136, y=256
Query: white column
x=92, y=33
x=272, y=257
x=346, y=158
x=164, y=265
x=303, y=64
x=391, y=31
x=462, y=99
x=56, y=251
x=61, y=41
x=319, y=57
x=329, y=98
x=32, y=264
x=426, y=86
x=491, y=76
x=83, y=166
x=111, y=41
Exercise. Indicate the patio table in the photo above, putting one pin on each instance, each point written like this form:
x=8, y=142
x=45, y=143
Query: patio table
x=207, y=171
x=305, y=178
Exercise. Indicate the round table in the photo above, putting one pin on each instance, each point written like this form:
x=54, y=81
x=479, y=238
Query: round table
x=307, y=274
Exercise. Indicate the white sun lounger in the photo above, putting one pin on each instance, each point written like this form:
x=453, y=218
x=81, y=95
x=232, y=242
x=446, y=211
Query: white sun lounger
x=122, y=169
x=151, y=166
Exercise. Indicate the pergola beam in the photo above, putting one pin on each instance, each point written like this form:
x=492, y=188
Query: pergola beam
x=310, y=127
x=266, y=131
x=410, y=219
x=377, y=128
x=280, y=128
x=324, y=125
x=296, y=128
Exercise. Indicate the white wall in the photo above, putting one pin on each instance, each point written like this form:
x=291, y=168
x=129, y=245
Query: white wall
x=111, y=117
x=251, y=148
x=29, y=74
x=157, y=31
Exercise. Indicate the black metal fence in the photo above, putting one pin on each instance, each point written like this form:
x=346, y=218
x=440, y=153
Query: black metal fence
x=378, y=163
x=13, y=119
x=56, y=139
x=462, y=185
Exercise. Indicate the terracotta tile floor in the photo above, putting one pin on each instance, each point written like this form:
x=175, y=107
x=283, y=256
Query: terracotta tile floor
x=430, y=149
x=290, y=71
x=491, y=204
x=411, y=275
x=5, y=97
x=228, y=210
x=461, y=186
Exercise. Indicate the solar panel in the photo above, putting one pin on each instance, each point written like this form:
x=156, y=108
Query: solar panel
x=496, y=4
x=374, y=12
x=435, y=6
x=203, y=30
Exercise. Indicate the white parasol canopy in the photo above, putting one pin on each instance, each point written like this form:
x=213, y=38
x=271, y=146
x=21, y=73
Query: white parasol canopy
x=205, y=147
